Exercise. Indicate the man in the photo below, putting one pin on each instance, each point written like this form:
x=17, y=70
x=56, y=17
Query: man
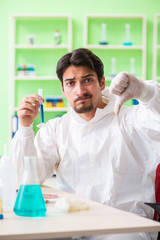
x=99, y=155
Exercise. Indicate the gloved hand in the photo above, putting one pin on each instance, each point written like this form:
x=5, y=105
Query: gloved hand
x=28, y=109
x=125, y=86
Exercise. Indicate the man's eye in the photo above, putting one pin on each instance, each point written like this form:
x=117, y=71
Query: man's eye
x=88, y=80
x=69, y=84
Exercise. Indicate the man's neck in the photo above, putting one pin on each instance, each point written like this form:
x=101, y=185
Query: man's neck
x=89, y=115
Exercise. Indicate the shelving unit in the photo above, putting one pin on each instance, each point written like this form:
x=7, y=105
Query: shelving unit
x=156, y=47
x=61, y=46
x=36, y=78
x=44, y=53
x=115, y=36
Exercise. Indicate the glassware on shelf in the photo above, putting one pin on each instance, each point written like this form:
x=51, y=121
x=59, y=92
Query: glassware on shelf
x=113, y=67
x=127, y=41
x=132, y=68
x=30, y=39
x=57, y=37
x=103, y=40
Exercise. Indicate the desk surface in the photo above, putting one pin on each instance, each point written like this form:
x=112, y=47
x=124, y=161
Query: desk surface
x=99, y=219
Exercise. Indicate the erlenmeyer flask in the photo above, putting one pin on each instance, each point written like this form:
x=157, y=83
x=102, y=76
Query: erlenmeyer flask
x=30, y=201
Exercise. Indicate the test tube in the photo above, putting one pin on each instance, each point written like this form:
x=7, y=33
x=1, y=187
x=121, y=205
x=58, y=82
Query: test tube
x=40, y=92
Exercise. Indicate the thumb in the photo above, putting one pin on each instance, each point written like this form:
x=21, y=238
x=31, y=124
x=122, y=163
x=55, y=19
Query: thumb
x=118, y=103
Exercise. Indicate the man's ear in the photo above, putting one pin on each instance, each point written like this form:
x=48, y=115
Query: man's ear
x=103, y=84
x=62, y=88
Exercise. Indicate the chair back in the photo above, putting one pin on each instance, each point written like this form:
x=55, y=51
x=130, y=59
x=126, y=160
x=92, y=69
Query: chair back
x=157, y=189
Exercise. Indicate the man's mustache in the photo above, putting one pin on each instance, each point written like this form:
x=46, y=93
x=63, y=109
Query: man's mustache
x=85, y=95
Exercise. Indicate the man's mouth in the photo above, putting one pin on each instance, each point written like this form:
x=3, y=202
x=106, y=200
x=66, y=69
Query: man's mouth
x=82, y=98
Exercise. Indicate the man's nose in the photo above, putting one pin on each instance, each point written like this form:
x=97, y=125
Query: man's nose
x=80, y=89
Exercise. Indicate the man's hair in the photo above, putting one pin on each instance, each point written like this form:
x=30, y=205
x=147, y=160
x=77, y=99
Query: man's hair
x=80, y=57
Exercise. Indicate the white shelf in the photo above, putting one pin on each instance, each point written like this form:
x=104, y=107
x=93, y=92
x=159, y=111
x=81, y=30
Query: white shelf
x=37, y=78
x=53, y=109
x=96, y=46
x=115, y=16
x=34, y=46
x=23, y=16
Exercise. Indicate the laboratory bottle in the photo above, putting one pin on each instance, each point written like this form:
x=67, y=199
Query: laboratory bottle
x=30, y=201
x=1, y=200
x=8, y=176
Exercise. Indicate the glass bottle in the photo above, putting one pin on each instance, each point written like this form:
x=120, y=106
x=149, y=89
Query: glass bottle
x=30, y=201
x=8, y=177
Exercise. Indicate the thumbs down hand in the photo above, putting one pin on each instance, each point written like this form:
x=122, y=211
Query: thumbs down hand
x=125, y=86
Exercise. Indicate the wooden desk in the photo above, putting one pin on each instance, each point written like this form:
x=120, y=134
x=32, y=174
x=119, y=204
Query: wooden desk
x=99, y=219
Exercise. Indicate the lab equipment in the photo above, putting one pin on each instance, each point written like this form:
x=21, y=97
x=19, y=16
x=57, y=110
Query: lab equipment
x=30, y=39
x=14, y=124
x=42, y=113
x=26, y=70
x=30, y=201
x=132, y=71
x=20, y=71
x=40, y=92
x=1, y=200
x=103, y=40
x=30, y=71
x=8, y=176
x=57, y=37
x=113, y=67
x=54, y=101
x=127, y=40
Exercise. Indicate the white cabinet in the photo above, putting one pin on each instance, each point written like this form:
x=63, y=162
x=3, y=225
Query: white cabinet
x=156, y=47
x=33, y=43
x=116, y=34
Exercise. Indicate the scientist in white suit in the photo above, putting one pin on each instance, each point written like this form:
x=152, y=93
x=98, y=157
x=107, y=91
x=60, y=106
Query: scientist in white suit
x=101, y=150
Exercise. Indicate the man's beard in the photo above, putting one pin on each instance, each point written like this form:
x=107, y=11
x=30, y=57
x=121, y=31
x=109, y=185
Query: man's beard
x=84, y=109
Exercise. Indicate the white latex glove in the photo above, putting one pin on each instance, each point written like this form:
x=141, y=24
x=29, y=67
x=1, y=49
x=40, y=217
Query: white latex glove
x=126, y=86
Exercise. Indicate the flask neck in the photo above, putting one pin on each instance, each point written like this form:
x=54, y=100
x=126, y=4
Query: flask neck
x=30, y=176
x=30, y=164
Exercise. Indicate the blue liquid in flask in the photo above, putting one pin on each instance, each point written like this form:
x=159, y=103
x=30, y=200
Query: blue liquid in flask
x=30, y=201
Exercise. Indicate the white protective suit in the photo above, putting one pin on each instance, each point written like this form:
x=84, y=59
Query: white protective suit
x=110, y=159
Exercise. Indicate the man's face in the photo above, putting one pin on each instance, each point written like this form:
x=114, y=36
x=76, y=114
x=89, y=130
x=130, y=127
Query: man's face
x=82, y=89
